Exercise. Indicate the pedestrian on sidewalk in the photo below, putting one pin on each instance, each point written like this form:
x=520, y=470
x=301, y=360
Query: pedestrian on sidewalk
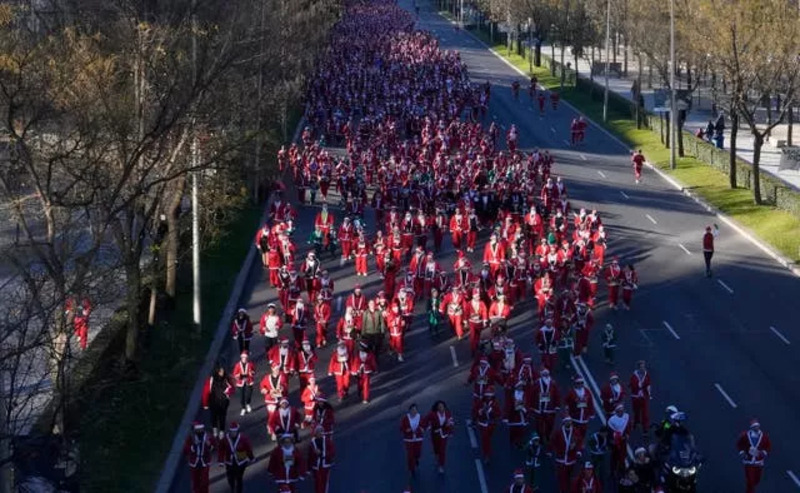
x=708, y=246
x=637, y=159
x=235, y=453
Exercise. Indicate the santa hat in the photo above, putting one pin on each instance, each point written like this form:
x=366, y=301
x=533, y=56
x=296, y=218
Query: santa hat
x=519, y=474
x=234, y=426
x=579, y=379
x=271, y=306
x=284, y=340
x=198, y=426
x=613, y=376
x=615, y=260
x=461, y=254
x=484, y=359
x=356, y=287
x=282, y=402
x=241, y=310
x=244, y=354
x=619, y=407
x=305, y=341
x=754, y=423
x=588, y=465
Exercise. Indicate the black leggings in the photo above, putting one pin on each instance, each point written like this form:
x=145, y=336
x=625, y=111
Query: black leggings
x=235, y=475
x=707, y=256
x=219, y=412
x=247, y=394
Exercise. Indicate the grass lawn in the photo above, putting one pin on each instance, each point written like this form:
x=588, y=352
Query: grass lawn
x=127, y=427
x=776, y=227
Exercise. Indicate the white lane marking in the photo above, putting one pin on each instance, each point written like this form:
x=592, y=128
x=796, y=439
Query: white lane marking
x=338, y=303
x=583, y=157
x=494, y=117
x=552, y=129
x=625, y=195
x=669, y=328
x=725, y=395
x=684, y=249
x=647, y=338
x=648, y=216
x=601, y=173
x=453, y=354
x=530, y=109
x=727, y=288
x=473, y=441
x=793, y=478
x=481, y=476
x=567, y=142
x=780, y=336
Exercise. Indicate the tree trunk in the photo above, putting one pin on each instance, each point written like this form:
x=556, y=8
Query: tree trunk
x=563, y=67
x=625, y=59
x=591, y=66
x=133, y=305
x=639, y=85
x=679, y=134
x=790, y=117
x=614, y=49
x=553, y=59
x=758, y=142
x=537, y=54
x=650, y=75
x=734, y=117
x=669, y=130
x=172, y=241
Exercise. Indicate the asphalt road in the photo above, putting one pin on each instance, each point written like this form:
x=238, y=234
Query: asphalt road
x=736, y=333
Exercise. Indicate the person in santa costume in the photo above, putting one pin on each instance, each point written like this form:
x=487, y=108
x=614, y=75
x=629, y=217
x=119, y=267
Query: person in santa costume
x=396, y=326
x=198, y=449
x=547, y=343
x=431, y=270
x=580, y=405
x=242, y=329
x=587, y=481
x=477, y=317
x=308, y=397
x=286, y=419
x=630, y=283
x=483, y=377
x=305, y=363
x=235, y=452
x=494, y=254
x=321, y=456
x=270, y=326
x=584, y=321
x=517, y=414
x=518, y=484
x=283, y=357
x=347, y=330
x=545, y=403
x=453, y=306
x=362, y=366
x=613, y=280
x=323, y=415
x=412, y=426
x=286, y=464
x=356, y=301
x=488, y=414
x=274, y=387
x=440, y=423
x=612, y=393
x=458, y=226
x=641, y=395
x=362, y=251
x=754, y=446
x=339, y=367
x=620, y=425
x=322, y=317
x=324, y=222
x=566, y=445
x=299, y=316
x=311, y=269
x=244, y=373
x=346, y=237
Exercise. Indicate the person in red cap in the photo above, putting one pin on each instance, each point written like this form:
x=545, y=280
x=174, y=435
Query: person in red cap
x=587, y=481
x=458, y=226
x=242, y=329
x=412, y=426
x=286, y=419
x=518, y=484
x=612, y=393
x=494, y=253
x=613, y=280
x=321, y=456
x=477, y=317
x=547, y=343
x=641, y=395
x=754, y=446
x=620, y=425
x=362, y=366
x=545, y=403
x=274, y=387
x=244, y=373
x=580, y=405
x=708, y=247
x=517, y=413
x=283, y=357
x=566, y=444
x=309, y=397
x=339, y=367
x=286, y=464
x=322, y=317
x=637, y=160
x=488, y=414
x=630, y=283
x=235, y=452
x=305, y=363
x=198, y=448
x=441, y=424
x=453, y=306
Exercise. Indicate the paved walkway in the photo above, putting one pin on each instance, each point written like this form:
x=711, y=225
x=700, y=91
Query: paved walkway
x=698, y=117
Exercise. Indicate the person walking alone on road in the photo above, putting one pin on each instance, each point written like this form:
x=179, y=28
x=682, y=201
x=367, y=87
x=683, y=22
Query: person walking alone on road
x=198, y=448
x=321, y=454
x=708, y=247
x=637, y=159
x=754, y=446
x=216, y=397
x=235, y=453
x=641, y=396
x=242, y=329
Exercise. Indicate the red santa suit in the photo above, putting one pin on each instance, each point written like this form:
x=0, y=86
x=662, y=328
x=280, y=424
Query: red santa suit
x=584, y=321
x=431, y=272
x=547, y=339
x=283, y=357
x=441, y=426
x=238, y=451
x=630, y=283
x=477, y=317
x=396, y=325
x=339, y=367
x=287, y=466
x=324, y=222
x=487, y=416
x=309, y=397
x=458, y=226
x=347, y=331
x=273, y=388
x=358, y=302
x=620, y=425
x=413, y=430
x=494, y=254
x=362, y=251
x=453, y=306
x=305, y=364
x=483, y=377
x=611, y=394
x=345, y=237
x=517, y=414
x=322, y=317
x=754, y=446
x=580, y=406
x=543, y=291
x=613, y=280
x=583, y=484
x=198, y=452
x=566, y=445
x=362, y=366
x=545, y=401
x=321, y=456
x=285, y=420
x=640, y=398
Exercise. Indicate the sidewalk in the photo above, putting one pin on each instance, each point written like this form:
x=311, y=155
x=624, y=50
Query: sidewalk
x=698, y=117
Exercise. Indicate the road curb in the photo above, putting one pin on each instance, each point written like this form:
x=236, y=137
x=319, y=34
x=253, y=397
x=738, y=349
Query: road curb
x=778, y=257
x=193, y=406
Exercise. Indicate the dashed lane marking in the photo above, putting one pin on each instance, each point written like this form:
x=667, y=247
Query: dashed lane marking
x=624, y=195
x=481, y=476
x=684, y=249
x=648, y=216
x=601, y=173
x=453, y=354
x=794, y=478
x=727, y=288
x=473, y=441
x=725, y=395
x=780, y=336
x=671, y=330
x=583, y=157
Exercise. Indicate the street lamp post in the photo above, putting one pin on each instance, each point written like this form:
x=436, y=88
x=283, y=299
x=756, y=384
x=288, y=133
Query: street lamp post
x=672, y=106
x=530, y=46
x=195, y=203
x=608, y=55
